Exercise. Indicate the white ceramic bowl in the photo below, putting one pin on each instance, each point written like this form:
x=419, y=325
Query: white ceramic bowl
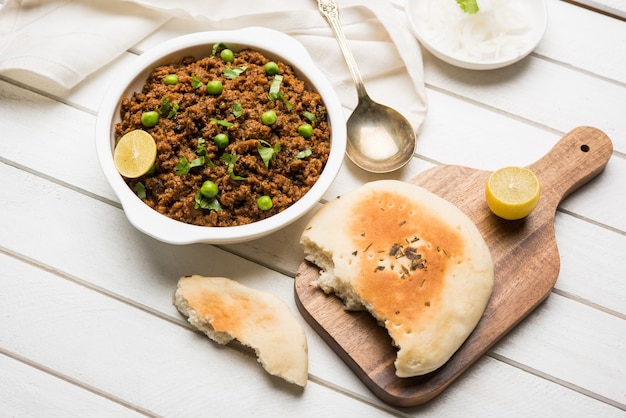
x=275, y=45
x=430, y=26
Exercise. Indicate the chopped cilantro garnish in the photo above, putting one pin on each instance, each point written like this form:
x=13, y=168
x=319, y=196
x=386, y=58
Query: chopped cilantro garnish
x=237, y=109
x=140, y=190
x=217, y=47
x=310, y=116
x=203, y=202
x=234, y=72
x=286, y=102
x=275, y=87
x=468, y=6
x=230, y=160
x=183, y=166
x=276, y=93
x=303, y=154
x=195, y=82
x=267, y=152
x=167, y=108
x=222, y=122
x=201, y=151
x=201, y=148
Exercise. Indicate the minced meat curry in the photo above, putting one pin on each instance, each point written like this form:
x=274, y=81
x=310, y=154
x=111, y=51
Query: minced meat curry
x=247, y=125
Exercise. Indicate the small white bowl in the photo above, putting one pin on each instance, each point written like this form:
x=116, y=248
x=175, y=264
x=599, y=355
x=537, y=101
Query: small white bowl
x=434, y=31
x=275, y=45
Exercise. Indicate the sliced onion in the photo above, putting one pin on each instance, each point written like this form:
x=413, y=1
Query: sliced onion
x=500, y=30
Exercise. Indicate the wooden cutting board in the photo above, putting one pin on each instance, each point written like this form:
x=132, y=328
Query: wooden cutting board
x=526, y=263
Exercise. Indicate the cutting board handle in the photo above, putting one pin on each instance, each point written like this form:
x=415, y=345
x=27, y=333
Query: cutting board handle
x=579, y=156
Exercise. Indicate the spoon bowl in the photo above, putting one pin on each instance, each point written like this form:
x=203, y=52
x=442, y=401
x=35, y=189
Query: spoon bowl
x=379, y=138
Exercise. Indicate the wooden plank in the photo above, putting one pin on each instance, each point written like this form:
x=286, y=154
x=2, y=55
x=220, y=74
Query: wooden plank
x=124, y=352
x=543, y=94
x=494, y=389
x=571, y=40
x=58, y=141
x=614, y=8
x=458, y=132
x=601, y=284
x=530, y=341
x=604, y=198
x=28, y=391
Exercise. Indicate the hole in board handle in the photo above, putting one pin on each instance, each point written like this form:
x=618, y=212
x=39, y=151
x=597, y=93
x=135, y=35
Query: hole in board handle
x=584, y=148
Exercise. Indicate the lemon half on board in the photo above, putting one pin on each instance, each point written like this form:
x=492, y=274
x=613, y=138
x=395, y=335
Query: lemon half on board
x=512, y=192
x=135, y=154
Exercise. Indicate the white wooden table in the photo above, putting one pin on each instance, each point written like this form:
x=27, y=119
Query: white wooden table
x=87, y=327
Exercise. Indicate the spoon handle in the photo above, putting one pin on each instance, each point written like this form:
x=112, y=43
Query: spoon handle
x=330, y=11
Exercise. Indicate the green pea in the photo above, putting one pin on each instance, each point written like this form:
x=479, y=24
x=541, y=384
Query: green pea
x=221, y=140
x=214, y=87
x=264, y=202
x=305, y=130
x=271, y=68
x=227, y=55
x=209, y=189
x=170, y=80
x=149, y=119
x=269, y=118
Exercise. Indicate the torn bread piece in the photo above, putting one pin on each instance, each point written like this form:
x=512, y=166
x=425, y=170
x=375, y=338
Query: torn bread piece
x=225, y=310
x=413, y=260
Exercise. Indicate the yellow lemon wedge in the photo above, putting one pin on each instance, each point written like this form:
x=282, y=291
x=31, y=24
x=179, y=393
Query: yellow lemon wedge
x=135, y=154
x=512, y=192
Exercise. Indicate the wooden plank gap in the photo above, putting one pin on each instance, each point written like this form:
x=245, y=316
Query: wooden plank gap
x=589, y=6
x=591, y=221
x=578, y=69
x=382, y=407
x=180, y=321
x=496, y=110
x=553, y=379
x=59, y=182
x=55, y=95
x=588, y=303
x=75, y=382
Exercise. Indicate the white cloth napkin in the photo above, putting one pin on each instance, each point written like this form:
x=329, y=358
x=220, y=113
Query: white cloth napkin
x=61, y=42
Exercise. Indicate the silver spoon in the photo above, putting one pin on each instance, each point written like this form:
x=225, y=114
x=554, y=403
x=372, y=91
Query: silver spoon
x=380, y=139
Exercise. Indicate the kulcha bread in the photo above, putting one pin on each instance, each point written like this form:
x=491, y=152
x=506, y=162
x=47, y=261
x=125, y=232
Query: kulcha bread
x=413, y=260
x=225, y=310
